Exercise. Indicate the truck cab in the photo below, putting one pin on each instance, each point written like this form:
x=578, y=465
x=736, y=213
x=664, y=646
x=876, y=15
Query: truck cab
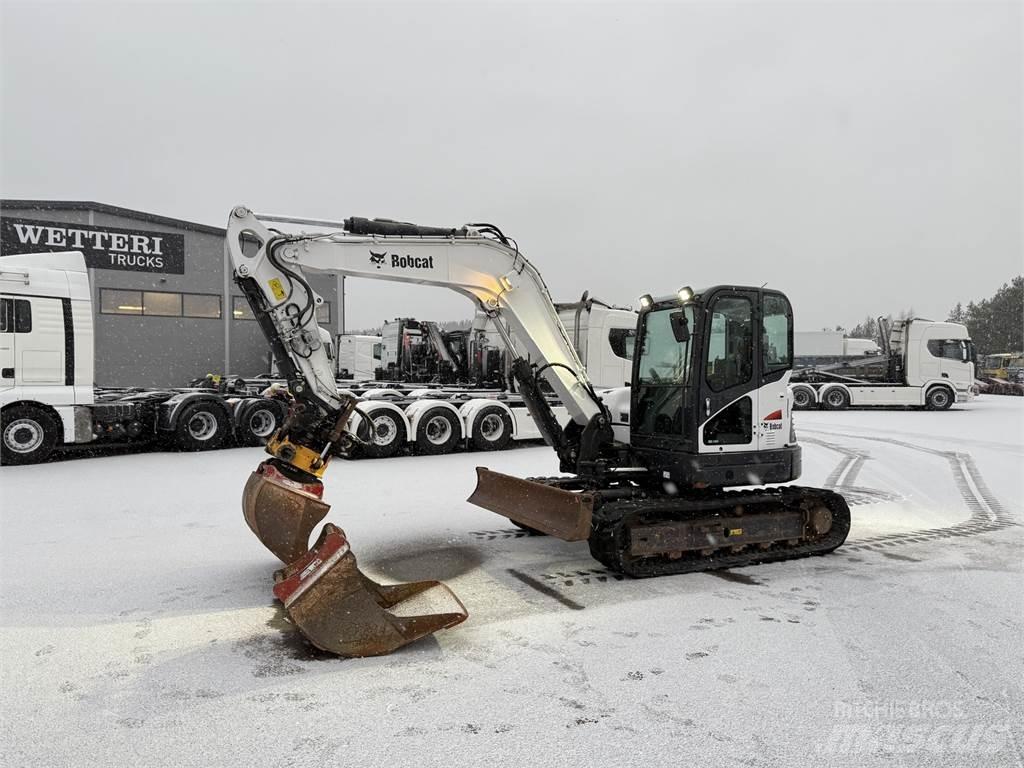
x=46, y=352
x=604, y=337
x=358, y=355
x=935, y=352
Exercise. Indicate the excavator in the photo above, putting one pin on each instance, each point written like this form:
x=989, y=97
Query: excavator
x=666, y=476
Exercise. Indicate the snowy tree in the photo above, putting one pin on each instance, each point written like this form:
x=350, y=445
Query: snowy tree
x=996, y=324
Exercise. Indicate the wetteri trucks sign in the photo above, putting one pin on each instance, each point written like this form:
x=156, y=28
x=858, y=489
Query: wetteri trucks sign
x=104, y=247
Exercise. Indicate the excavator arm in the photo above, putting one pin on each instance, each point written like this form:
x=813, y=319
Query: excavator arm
x=476, y=261
x=335, y=605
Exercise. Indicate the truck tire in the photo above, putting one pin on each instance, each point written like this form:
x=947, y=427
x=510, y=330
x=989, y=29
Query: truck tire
x=201, y=426
x=387, y=434
x=835, y=399
x=29, y=435
x=803, y=398
x=939, y=399
x=259, y=419
x=492, y=429
x=438, y=431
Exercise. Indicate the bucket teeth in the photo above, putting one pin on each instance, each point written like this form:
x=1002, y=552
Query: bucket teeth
x=339, y=609
x=282, y=512
x=564, y=514
x=324, y=593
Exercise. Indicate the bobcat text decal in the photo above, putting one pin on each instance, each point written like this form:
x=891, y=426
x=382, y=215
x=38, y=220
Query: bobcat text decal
x=402, y=262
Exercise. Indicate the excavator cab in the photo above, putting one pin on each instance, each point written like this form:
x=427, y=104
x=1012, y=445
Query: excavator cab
x=709, y=410
x=710, y=376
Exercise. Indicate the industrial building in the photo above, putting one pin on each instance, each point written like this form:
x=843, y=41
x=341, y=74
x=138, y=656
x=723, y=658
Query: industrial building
x=166, y=309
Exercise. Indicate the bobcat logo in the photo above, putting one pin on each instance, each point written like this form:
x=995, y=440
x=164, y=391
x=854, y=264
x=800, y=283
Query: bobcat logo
x=377, y=259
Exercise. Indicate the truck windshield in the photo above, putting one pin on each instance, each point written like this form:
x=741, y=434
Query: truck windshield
x=663, y=360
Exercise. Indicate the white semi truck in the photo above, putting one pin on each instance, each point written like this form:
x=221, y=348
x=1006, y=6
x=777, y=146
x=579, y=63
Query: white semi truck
x=47, y=393
x=922, y=364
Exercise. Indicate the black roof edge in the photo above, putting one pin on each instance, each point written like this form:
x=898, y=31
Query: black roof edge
x=112, y=210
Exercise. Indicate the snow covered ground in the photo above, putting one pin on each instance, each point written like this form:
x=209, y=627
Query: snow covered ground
x=138, y=625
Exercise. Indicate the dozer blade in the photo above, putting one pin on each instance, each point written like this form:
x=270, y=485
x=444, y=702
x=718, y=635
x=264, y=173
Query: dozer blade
x=282, y=512
x=341, y=610
x=563, y=514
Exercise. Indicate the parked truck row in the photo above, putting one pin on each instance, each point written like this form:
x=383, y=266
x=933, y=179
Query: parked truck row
x=49, y=399
x=482, y=411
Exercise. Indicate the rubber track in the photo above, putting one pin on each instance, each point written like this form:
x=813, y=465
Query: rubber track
x=609, y=537
x=609, y=540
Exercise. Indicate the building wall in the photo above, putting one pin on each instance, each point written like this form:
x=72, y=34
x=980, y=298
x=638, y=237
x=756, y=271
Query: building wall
x=154, y=351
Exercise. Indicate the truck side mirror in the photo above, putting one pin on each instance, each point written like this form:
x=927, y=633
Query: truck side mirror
x=680, y=327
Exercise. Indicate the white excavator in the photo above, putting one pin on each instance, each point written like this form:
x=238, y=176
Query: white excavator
x=663, y=477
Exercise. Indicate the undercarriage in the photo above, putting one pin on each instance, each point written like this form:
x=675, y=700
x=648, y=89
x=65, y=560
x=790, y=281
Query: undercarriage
x=641, y=530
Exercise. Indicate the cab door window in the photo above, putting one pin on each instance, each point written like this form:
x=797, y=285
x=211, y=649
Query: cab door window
x=663, y=373
x=730, y=344
x=776, y=327
x=950, y=349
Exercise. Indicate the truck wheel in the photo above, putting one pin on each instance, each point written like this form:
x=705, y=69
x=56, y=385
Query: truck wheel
x=387, y=433
x=938, y=399
x=258, y=420
x=836, y=399
x=200, y=427
x=803, y=398
x=29, y=435
x=492, y=430
x=438, y=431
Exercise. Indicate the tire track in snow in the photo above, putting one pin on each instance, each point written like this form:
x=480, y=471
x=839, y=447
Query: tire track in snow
x=987, y=512
x=847, y=469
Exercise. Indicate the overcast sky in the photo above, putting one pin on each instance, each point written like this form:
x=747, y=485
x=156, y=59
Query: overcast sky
x=862, y=157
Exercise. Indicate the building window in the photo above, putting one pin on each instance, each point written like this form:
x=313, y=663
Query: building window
x=240, y=309
x=161, y=304
x=120, y=302
x=201, y=305
x=323, y=312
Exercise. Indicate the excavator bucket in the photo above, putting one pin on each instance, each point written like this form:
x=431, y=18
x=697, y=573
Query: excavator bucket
x=282, y=512
x=341, y=610
x=554, y=511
